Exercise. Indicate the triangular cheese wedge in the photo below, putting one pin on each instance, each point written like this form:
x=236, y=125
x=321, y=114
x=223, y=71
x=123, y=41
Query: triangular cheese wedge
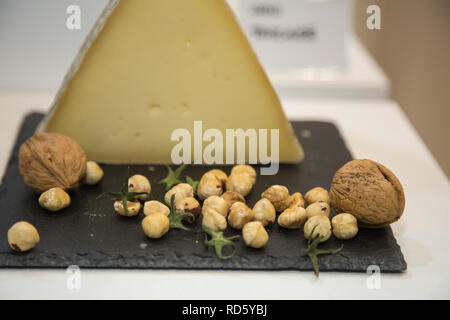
x=152, y=66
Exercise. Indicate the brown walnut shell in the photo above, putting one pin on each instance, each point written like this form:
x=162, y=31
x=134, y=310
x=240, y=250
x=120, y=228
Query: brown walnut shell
x=369, y=191
x=48, y=160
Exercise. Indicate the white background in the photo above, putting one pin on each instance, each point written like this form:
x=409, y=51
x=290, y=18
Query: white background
x=331, y=22
x=36, y=48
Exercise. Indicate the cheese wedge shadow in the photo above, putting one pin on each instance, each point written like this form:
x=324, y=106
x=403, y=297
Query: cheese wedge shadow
x=149, y=67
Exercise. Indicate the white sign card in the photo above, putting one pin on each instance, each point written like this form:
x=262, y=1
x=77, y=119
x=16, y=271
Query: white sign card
x=291, y=34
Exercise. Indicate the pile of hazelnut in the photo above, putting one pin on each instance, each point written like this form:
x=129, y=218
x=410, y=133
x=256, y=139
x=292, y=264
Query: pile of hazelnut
x=23, y=236
x=344, y=226
x=275, y=199
x=224, y=205
x=51, y=164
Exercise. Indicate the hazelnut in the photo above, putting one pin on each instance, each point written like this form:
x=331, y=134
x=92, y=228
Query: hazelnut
x=242, y=179
x=231, y=197
x=155, y=225
x=239, y=215
x=217, y=203
x=292, y=218
x=240, y=183
x=23, y=236
x=317, y=194
x=255, y=235
x=369, y=191
x=93, y=173
x=211, y=184
x=279, y=196
x=48, y=160
x=54, y=199
x=188, y=205
x=133, y=208
x=139, y=183
x=245, y=168
x=264, y=211
x=323, y=227
x=181, y=191
x=220, y=175
x=345, y=226
x=155, y=206
x=318, y=208
x=297, y=200
x=214, y=220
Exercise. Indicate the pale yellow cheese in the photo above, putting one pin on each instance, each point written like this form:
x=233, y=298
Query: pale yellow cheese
x=159, y=65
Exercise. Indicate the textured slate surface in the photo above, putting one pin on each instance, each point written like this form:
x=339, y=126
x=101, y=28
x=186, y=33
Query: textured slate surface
x=90, y=234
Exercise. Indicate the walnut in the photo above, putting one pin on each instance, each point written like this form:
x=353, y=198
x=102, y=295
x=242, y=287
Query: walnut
x=369, y=191
x=48, y=160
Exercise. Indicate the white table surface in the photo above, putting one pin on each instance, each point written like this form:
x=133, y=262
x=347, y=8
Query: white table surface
x=372, y=129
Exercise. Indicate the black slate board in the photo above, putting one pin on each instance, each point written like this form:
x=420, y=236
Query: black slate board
x=91, y=235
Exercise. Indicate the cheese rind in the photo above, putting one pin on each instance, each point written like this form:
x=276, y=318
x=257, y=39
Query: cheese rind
x=152, y=66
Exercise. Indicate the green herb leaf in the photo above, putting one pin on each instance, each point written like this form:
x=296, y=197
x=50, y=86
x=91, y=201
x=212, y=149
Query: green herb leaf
x=193, y=183
x=218, y=241
x=124, y=195
x=175, y=218
x=173, y=177
x=312, y=252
